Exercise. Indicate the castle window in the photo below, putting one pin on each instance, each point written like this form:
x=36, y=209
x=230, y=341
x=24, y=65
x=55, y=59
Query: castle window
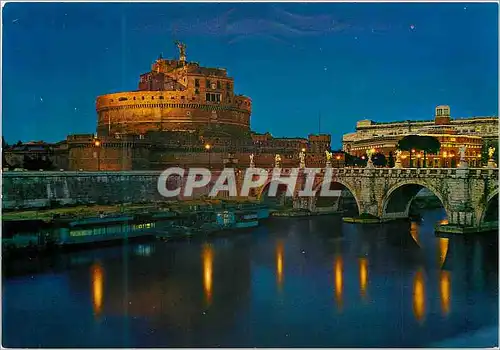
x=196, y=92
x=134, y=98
x=143, y=97
x=161, y=97
x=228, y=86
x=152, y=97
x=197, y=82
x=208, y=83
x=182, y=97
x=208, y=96
x=218, y=85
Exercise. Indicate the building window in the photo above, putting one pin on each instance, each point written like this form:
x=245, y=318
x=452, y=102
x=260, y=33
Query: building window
x=197, y=92
x=208, y=83
x=228, y=86
x=197, y=82
x=218, y=85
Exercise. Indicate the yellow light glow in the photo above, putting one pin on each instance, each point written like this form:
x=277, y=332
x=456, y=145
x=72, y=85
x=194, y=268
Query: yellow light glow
x=97, y=143
x=207, y=146
x=303, y=149
x=443, y=250
x=207, y=256
x=363, y=276
x=414, y=231
x=419, y=155
x=445, y=291
x=419, y=296
x=412, y=151
x=339, y=282
x=97, y=274
x=279, y=262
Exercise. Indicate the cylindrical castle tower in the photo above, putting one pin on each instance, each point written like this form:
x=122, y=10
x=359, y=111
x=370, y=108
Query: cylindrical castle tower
x=175, y=95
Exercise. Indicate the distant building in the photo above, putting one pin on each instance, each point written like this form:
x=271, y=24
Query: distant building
x=475, y=133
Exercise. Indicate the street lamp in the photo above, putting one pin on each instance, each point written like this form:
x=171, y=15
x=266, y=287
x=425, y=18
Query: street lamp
x=338, y=163
x=208, y=147
x=97, y=143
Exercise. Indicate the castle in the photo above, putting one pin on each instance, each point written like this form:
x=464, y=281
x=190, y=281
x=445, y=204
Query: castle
x=182, y=114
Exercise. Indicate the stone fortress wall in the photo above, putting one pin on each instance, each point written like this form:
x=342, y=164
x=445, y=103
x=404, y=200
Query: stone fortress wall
x=142, y=111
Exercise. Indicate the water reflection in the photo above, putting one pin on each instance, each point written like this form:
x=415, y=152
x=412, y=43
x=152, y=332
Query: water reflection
x=339, y=283
x=445, y=291
x=363, y=277
x=207, y=257
x=443, y=250
x=419, y=295
x=279, y=263
x=97, y=275
x=414, y=232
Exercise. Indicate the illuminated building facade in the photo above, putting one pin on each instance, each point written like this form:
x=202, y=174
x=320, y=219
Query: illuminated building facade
x=475, y=133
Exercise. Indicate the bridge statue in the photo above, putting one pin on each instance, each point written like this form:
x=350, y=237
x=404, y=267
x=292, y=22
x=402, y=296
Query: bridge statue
x=277, y=161
x=398, y=159
x=302, y=157
x=491, y=162
x=370, y=153
x=491, y=152
x=252, y=164
x=329, y=156
x=463, y=162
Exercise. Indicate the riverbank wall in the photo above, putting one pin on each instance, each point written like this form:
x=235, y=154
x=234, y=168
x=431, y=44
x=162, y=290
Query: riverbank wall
x=25, y=190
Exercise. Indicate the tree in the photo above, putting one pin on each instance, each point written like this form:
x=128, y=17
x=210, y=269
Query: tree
x=379, y=159
x=390, y=161
x=37, y=163
x=4, y=160
x=427, y=144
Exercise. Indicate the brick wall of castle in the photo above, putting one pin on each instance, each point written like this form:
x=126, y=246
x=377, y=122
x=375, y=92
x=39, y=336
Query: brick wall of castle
x=139, y=112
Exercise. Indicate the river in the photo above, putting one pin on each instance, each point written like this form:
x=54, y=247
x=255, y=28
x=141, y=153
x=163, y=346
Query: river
x=308, y=282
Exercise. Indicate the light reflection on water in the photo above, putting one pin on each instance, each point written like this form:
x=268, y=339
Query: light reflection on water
x=412, y=300
x=97, y=275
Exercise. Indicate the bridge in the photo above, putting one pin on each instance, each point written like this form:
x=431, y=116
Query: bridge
x=469, y=196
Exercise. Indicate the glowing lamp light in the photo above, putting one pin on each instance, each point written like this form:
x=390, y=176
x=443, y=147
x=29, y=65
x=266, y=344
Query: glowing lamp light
x=363, y=157
x=419, y=155
x=97, y=143
x=303, y=149
x=207, y=146
x=337, y=157
x=412, y=151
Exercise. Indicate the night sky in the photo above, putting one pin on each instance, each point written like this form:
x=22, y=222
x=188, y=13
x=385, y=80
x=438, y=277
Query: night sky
x=343, y=61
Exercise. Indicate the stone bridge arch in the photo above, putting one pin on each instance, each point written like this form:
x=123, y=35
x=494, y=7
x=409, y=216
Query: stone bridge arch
x=401, y=195
x=345, y=184
x=489, y=208
x=282, y=193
